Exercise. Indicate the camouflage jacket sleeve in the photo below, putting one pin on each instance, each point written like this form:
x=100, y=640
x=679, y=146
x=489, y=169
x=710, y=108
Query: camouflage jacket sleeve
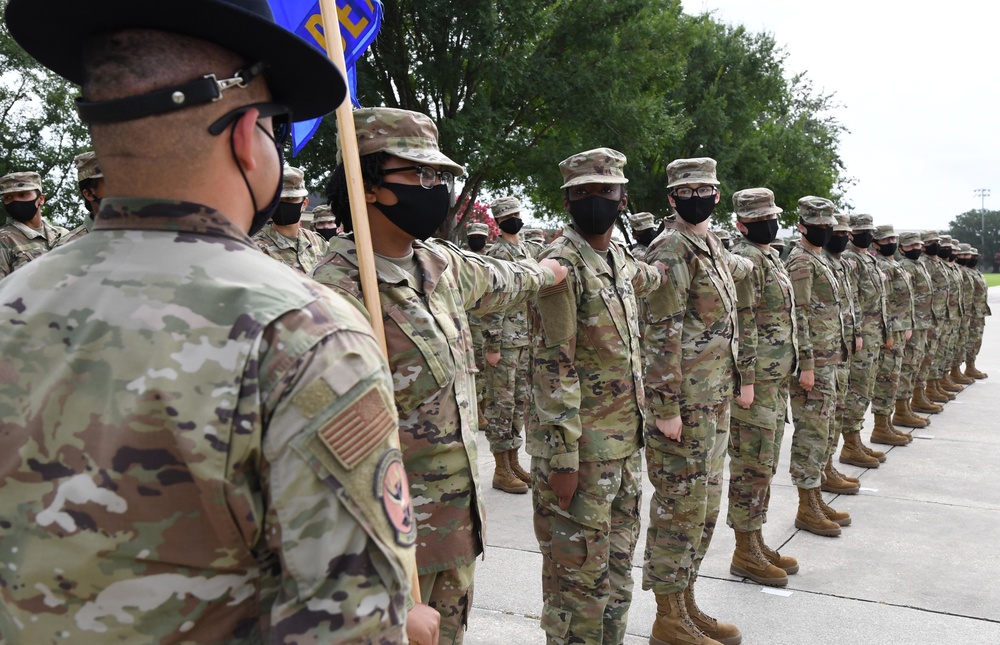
x=801, y=275
x=748, y=292
x=664, y=331
x=493, y=323
x=647, y=279
x=739, y=266
x=352, y=584
x=6, y=266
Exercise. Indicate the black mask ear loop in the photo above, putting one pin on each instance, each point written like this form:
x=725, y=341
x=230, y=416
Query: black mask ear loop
x=260, y=217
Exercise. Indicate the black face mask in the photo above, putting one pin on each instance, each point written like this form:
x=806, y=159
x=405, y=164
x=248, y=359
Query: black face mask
x=287, y=214
x=836, y=244
x=327, y=233
x=646, y=237
x=888, y=250
x=817, y=235
x=862, y=240
x=696, y=209
x=761, y=231
x=594, y=215
x=912, y=254
x=932, y=249
x=419, y=212
x=260, y=215
x=22, y=211
x=511, y=225
x=477, y=242
x=944, y=254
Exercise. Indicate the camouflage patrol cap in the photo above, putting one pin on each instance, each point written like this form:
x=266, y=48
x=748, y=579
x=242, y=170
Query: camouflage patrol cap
x=945, y=241
x=700, y=170
x=778, y=243
x=974, y=251
x=535, y=235
x=930, y=236
x=817, y=211
x=597, y=166
x=906, y=238
x=722, y=234
x=505, y=207
x=955, y=242
x=753, y=204
x=884, y=231
x=843, y=223
x=401, y=133
x=478, y=228
x=323, y=213
x=862, y=223
x=293, y=183
x=964, y=249
x=87, y=166
x=15, y=182
x=641, y=221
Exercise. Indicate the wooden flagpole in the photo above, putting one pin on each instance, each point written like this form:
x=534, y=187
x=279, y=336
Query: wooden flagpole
x=359, y=208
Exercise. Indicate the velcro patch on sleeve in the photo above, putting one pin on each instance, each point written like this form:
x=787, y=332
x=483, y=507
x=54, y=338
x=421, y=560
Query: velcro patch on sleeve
x=314, y=398
x=553, y=289
x=359, y=428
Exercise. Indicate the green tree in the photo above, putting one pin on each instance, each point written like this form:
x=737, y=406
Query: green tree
x=39, y=129
x=975, y=225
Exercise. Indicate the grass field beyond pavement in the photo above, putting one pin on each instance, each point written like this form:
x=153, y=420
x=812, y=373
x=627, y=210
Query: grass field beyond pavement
x=992, y=279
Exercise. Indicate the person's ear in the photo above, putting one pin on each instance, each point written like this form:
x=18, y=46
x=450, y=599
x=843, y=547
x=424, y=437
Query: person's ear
x=244, y=142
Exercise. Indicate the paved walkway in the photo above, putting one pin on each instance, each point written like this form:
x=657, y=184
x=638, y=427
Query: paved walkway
x=919, y=564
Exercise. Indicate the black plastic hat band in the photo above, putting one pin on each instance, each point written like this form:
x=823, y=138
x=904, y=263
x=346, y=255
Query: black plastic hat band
x=204, y=90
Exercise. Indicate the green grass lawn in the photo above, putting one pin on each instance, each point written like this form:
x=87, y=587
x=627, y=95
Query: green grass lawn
x=992, y=279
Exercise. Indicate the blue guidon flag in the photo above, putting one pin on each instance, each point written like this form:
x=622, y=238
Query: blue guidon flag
x=359, y=24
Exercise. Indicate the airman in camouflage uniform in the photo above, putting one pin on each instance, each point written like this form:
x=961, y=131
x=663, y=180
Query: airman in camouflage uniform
x=899, y=310
x=643, y=231
x=968, y=296
x=911, y=247
x=869, y=299
x=25, y=236
x=476, y=235
x=980, y=309
x=691, y=376
x=284, y=238
x=949, y=332
x=505, y=347
x=767, y=355
x=924, y=384
x=425, y=287
x=90, y=179
x=534, y=240
x=724, y=237
x=584, y=428
x=324, y=222
x=833, y=480
x=822, y=346
x=208, y=413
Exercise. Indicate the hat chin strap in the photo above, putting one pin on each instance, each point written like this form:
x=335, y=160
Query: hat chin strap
x=206, y=89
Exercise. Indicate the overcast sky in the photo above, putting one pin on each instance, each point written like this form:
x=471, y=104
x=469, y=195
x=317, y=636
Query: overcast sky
x=919, y=86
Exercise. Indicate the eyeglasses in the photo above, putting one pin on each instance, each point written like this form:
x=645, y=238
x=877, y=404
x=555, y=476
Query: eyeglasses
x=701, y=191
x=281, y=120
x=428, y=176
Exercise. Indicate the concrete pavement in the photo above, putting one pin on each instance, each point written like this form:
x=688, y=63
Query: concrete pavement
x=919, y=563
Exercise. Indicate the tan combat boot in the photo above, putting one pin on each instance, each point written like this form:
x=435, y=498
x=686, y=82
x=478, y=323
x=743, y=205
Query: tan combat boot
x=909, y=410
x=673, y=626
x=810, y=516
x=725, y=633
x=784, y=562
x=882, y=434
x=515, y=467
x=842, y=518
x=921, y=403
x=749, y=562
x=504, y=479
x=936, y=394
x=901, y=417
x=958, y=377
x=853, y=452
x=834, y=482
x=948, y=384
x=970, y=369
x=877, y=454
x=896, y=431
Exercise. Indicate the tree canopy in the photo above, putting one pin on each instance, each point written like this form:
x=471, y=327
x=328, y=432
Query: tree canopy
x=969, y=228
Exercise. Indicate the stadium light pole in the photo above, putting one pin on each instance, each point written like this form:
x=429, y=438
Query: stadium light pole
x=982, y=193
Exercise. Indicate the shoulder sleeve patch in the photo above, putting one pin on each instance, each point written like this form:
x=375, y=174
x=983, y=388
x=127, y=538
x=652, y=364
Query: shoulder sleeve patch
x=313, y=398
x=557, y=309
x=358, y=429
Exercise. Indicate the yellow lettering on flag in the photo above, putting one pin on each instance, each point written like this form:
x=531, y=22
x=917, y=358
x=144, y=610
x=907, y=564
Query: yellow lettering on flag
x=355, y=28
x=315, y=27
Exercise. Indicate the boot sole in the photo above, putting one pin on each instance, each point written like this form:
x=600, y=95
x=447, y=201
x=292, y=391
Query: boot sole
x=768, y=582
x=840, y=491
x=889, y=442
x=512, y=491
x=823, y=532
x=927, y=410
x=910, y=424
x=860, y=464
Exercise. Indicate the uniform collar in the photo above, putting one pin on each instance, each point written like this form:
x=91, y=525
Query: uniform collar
x=140, y=214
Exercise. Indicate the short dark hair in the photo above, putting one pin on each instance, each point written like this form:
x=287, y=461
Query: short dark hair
x=336, y=187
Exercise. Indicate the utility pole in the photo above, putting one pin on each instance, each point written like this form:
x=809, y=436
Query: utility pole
x=982, y=194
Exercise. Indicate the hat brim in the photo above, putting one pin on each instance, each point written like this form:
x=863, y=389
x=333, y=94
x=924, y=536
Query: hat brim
x=688, y=180
x=298, y=192
x=858, y=229
x=293, y=68
x=759, y=213
x=594, y=179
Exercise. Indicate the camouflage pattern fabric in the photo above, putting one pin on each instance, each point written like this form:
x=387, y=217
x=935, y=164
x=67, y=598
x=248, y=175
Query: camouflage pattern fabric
x=923, y=319
x=853, y=319
x=20, y=244
x=587, y=550
x=767, y=355
x=687, y=492
x=507, y=332
x=587, y=415
x=302, y=254
x=822, y=345
x=868, y=292
x=168, y=467
x=980, y=309
x=691, y=372
x=968, y=299
x=450, y=593
x=899, y=307
x=432, y=365
x=941, y=278
x=952, y=330
x=80, y=231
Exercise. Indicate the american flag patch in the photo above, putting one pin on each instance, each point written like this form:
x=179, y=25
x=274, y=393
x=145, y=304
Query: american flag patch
x=353, y=433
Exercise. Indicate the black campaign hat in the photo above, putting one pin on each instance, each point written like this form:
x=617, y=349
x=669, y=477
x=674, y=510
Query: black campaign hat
x=298, y=75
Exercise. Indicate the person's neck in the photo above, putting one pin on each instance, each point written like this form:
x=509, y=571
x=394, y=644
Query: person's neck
x=289, y=230
x=36, y=221
x=807, y=245
x=513, y=238
x=388, y=240
x=700, y=229
x=600, y=242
